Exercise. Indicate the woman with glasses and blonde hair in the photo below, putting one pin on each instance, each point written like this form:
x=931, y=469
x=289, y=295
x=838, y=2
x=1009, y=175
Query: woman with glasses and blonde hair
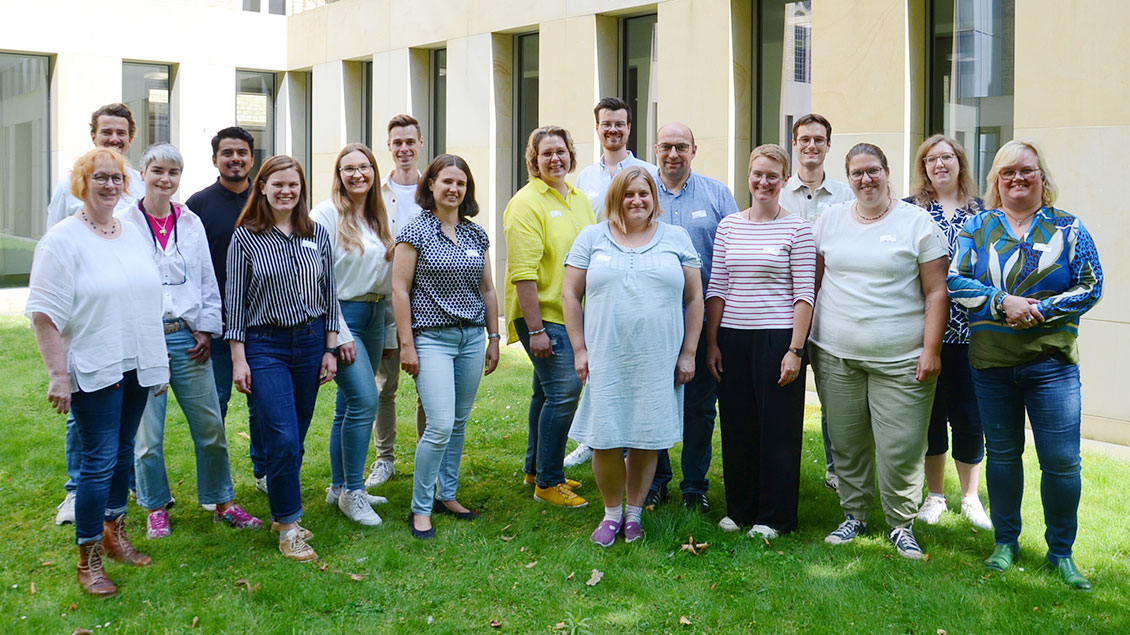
x=881, y=309
x=627, y=281
x=356, y=220
x=758, y=313
x=943, y=185
x=1026, y=271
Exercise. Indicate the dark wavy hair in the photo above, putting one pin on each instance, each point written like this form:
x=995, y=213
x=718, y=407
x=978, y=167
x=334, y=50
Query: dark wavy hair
x=469, y=207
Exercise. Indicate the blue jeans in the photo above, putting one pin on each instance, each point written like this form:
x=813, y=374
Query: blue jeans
x=357, y=395
x=106, y=421
x=285, y=363
x=699, y=397
x=1048, y=389
x=451, y=365
x=193, y=384
x=557, y=391
x=221, y=369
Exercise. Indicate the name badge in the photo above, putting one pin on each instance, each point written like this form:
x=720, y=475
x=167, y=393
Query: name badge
x=555, y=213
x=593, y=193
x=698, y=213
x=887, y=238
x=309, y=244
x=772, y=251
x=602, y=258
x=1041, y=247
x=471, y=253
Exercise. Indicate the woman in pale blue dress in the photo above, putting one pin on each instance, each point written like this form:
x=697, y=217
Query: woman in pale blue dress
x=633, y=343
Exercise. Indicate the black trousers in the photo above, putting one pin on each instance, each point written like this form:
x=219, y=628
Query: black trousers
x=762, y=428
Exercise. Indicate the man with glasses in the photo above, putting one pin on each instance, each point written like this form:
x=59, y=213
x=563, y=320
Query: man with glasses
x=807, y=193
x=613, y=128
x=111, y=126
x=696, y=203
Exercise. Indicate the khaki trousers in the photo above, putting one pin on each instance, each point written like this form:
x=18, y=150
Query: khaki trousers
x=384, y=431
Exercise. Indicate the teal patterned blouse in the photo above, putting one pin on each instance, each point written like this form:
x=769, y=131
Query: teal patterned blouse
x=1055, y=262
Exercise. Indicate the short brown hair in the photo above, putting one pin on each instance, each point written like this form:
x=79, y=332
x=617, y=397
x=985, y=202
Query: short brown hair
x=424, y=198
x=84, y=167
x=773, y=152
x=922, y=190
x=536, y=138
x=402, y=121
x=257, y=215
x=812, y=117
x=113, y=110
x=614, y=200
x=613, y=104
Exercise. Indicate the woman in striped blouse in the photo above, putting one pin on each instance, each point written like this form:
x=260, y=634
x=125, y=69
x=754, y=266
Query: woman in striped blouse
x=758, y=310
x=282, y=325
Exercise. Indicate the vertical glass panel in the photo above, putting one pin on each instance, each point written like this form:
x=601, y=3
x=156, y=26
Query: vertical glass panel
x=25, y=170
x=367, y=104
x=145, y=89
x=784, y=68
x=255, y=111
x=276, y=7
x=638, y=86
x=971, y=76
x=439, y=102
x=251, y=5
x=525, y=101
x=299, y=97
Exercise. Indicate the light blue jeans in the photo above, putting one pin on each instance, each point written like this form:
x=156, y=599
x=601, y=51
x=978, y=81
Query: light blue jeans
x=357, y=395
x=193, y=384
x=451, y=365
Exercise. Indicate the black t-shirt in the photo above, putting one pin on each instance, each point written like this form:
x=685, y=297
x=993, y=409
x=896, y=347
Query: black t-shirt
x=218, y=208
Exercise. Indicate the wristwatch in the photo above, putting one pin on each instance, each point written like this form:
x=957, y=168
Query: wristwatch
x=332, y=350
x=799, y=352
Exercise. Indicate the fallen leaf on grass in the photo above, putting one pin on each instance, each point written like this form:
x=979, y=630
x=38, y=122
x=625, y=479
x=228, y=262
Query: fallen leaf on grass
x=560, y=625
x=571, y=575
x=1035, y=609
x=506, y=436
x=695, y=548
x=323, y=567
x=595, y=578
x=495, y=624
x=195, y=621
x=506, y=538
x=713, y=585
x=82, y=631
x=684, y=621
x=245, y=582
x=925, y=557
x=505, y=528
x=72, y=607
x=766, y=541
x=532, y=564
x=33, y=588
x=46, y=563
x=245, y=435
x=357, y=576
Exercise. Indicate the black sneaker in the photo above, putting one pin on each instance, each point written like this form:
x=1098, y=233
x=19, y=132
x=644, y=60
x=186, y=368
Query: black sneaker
x=905, y=544
x=654, y=499
x=847, y=531
x=696, y=502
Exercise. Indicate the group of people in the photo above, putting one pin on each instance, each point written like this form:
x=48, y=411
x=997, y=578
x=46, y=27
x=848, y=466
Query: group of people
x=644, y=298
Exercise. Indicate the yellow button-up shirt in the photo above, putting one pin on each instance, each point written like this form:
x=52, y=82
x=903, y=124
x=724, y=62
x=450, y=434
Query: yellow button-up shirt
x=540, y=226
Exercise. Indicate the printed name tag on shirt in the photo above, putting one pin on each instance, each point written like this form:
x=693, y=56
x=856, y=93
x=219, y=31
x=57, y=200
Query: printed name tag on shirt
x=471, y=253
x=555, y=213
x=887, y=238
x=772, y=251
x=1041, y=247
x=698, y=213
x=602, y=258
x=309, y=243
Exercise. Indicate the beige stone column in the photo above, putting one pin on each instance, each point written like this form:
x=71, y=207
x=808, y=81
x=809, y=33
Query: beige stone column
x=329, y=126
x=197, y=119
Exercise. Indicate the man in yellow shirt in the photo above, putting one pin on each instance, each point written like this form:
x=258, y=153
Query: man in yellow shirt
x=541, y=221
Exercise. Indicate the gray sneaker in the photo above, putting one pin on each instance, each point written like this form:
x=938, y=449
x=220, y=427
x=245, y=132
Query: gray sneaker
x=381, y=472
x=847, y=531
x=66, y=510
x=355, y=505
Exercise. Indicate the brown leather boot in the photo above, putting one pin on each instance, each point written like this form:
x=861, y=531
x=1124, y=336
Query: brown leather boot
x=118, y=546
x=91, y=574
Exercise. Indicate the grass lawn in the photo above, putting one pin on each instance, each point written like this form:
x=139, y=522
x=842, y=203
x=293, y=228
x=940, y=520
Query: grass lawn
x=523, y=567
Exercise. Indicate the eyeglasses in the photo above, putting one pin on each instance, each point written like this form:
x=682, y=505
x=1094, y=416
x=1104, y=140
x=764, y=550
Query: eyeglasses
x=681, y=148
x=1011, y=173
x=609, y=125
x=857, y=175
x=350, y=170
x=947, y=157
x=771, y=179
x=102, y=178
x=819, y=142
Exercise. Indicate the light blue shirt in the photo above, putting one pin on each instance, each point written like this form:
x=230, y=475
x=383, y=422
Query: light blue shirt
x=698, y=208
x=595, y=180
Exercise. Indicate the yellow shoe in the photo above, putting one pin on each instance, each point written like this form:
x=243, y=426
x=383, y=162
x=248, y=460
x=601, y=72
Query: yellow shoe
x=559, y=494
x=570, y=483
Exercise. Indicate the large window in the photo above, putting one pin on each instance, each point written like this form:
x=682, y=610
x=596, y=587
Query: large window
x=971, y=76
x=255, y=111
x=525, y=101
x=783, y=33
x=25, y=171
x=439, y=102
x=145, y=89
x=637, y=81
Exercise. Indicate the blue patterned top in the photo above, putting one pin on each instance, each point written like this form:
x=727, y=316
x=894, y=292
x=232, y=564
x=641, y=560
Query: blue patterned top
x=957, y=329
x=1055, y=262
x=446, y=285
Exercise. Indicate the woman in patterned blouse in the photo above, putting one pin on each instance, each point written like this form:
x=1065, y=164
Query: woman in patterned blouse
x=443, y=297
x=944, y=186
x=1026, y=271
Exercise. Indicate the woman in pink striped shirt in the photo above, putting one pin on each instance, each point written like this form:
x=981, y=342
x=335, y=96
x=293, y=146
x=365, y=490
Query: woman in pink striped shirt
x=758, y=310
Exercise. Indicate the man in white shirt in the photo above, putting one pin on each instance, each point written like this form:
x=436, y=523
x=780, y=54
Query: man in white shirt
x=807, y=193
x=111, y=126
x=399, y=190
x=613, y=127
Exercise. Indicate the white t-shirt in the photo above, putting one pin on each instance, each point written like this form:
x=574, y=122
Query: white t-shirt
x=64, y=204
x=870, y=306
x=104, y=296
x=406, y=207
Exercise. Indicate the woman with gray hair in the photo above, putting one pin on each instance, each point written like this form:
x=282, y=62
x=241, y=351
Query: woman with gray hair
x=191, y=315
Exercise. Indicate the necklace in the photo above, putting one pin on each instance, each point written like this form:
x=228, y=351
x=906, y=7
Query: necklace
x=1020, y=222
x=870, y=219
x=749, y=215
x=113, y=225
x=163, y=227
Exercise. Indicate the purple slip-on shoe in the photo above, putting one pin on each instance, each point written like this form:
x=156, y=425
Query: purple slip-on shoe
x=605, y=533
x=633, y=531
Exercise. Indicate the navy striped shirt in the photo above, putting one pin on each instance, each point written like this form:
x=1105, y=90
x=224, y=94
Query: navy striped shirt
x=279, y=280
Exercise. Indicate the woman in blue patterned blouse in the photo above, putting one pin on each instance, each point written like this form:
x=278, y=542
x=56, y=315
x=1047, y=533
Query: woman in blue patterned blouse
x=443, y=297
x=1026, y=271
x=944, y=186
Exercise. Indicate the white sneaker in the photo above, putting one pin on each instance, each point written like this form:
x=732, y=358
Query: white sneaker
x=355, y=505
x=727, y=524
x=334, y=493
x=931, y=510
x=381, y=472
x=762, y=531
x=832, y=481
x=579, y=456
x=66, y=513
x=261, y=483
x=972, y=509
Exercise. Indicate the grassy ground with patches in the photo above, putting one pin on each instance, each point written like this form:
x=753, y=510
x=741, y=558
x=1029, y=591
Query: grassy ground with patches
x=524, y=566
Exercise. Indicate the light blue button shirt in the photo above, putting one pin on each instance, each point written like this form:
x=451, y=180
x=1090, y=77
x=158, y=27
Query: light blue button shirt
x=698, y=208
x=595, y=180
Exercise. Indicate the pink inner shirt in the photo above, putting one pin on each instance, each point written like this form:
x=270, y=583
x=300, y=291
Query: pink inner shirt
x=157, y=224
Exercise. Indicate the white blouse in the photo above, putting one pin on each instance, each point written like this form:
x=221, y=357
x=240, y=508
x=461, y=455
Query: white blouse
x=357, y=273
x=104, y=296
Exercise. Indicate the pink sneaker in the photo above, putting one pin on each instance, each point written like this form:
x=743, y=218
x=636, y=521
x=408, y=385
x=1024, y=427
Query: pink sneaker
x=237, y=518
x=157, y=525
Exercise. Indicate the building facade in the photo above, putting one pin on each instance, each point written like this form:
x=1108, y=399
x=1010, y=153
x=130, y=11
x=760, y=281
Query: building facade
x=308, y=76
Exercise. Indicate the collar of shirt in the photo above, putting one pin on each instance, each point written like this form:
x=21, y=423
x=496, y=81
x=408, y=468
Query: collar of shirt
x=387, y=184
x=230, y=194
x=688, y=187
x=794, y=183
x=544, y=188
x=626, y=161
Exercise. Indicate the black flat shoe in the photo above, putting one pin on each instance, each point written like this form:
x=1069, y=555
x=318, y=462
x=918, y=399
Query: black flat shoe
x=416, y=533
x=439, y=508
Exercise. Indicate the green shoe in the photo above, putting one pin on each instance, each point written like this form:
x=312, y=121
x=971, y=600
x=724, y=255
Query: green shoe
x=1002, y=557
x=1071, y=574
